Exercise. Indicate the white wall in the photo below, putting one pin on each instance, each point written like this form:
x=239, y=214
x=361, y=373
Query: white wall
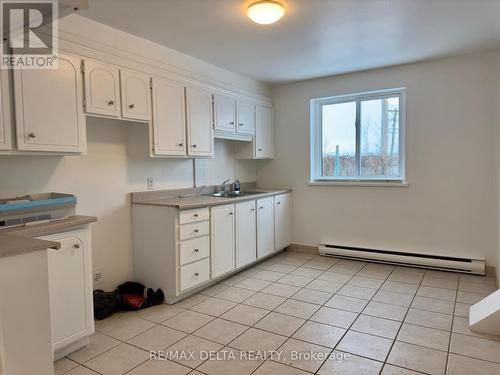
x=449, y=206
x=117, y=164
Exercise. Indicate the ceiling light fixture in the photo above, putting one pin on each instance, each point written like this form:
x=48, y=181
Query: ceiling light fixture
x=265, y=12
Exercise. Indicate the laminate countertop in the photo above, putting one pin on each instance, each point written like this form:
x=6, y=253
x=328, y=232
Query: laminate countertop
x=188, y=201
x=20, y=240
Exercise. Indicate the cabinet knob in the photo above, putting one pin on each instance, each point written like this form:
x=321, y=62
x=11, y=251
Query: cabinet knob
x=230, y=213
x=180, y=144
x=131, y=106
x=111, y=102
x=252, y=209
x=196, y=250
x=278, y=202
x=259, y=149
x=195, y=215
x=193, y=146
x=240, y=124
x=261, y=207
x=196, y=274
x=76, y=245
x=231, y=123
x=195, y=231
x=32, y=135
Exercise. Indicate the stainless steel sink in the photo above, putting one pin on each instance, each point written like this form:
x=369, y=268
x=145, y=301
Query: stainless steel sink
x=233, y=194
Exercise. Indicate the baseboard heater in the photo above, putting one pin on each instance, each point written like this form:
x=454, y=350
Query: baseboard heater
x=439, y=262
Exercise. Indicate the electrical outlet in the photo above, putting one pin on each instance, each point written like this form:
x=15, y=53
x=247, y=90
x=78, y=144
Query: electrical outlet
x=150, y=183
x=98, y=276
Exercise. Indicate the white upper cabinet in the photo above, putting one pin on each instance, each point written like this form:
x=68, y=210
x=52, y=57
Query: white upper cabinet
x=222, y=236
x=245, y=117
x=264, y=133
x=199, y=122
x=169, y=118
x=49, y=107
x=102, y=89
x=265, y=226
x=5, y=118
x=282, y=221
x=224, y=113
x=246, y=235
x=135, y=95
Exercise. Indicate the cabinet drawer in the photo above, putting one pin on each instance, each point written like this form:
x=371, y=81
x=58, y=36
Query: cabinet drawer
x=193, y=216
x=193, y=230
x=194, y=274
x=195, y=249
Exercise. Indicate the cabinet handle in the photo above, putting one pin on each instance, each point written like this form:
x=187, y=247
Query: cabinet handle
x=195, y=231
x=76, y=245
x=180, y=144
x=131, y=106
x=196, y=250
x=111, y=102
x=231, y=123
x=196, y=274
x=32, y=135
x=195, y=215
x=193, y=146
x=230, y=213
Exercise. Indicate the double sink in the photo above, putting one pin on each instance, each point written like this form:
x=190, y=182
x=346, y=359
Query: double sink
x=233, y=194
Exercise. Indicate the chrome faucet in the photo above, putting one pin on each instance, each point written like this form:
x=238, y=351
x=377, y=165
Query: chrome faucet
x=224, y=185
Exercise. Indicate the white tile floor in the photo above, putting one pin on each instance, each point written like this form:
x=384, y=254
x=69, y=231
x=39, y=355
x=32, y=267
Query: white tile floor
x=390, y=320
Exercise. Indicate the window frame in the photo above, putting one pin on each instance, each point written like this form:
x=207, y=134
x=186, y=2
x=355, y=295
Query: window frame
x=316, y=138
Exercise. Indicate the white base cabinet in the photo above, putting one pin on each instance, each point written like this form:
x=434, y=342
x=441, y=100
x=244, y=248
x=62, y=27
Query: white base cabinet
x=183, y=251
x=222, y=231
x=265, y=227
x=246, y=234
x=282, y=221
x=70, y=290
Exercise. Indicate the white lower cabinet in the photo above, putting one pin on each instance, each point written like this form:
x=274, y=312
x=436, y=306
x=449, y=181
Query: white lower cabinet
x=265, y=226
x=222, y=241
x=246, y=234
x=182, y=251
x=70, y=291
x=282, y=221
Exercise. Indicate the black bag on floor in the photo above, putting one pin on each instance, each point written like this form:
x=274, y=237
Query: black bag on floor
x=105, y=303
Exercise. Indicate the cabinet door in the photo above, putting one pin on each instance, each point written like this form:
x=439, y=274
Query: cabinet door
x=264, y=132
x=246, y=117
x=224, y=113
x=102, y=89
x=246, y=233
x=265, y=227
x=136, y=95
x=222, y=232
x=5, y=118
x=199, y=122
x=282, y=221
x=169, y=118
x=49, y=108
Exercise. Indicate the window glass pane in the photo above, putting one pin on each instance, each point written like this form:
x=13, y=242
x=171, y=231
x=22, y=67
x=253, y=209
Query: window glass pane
x=339, y=139
x=379, y=142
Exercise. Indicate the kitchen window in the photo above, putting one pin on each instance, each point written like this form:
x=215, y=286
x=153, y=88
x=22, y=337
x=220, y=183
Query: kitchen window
x=359, y=139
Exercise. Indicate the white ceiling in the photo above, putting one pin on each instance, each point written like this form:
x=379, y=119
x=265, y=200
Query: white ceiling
x=315, y=37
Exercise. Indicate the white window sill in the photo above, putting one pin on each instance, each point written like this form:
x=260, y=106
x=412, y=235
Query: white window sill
x=366, y=183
